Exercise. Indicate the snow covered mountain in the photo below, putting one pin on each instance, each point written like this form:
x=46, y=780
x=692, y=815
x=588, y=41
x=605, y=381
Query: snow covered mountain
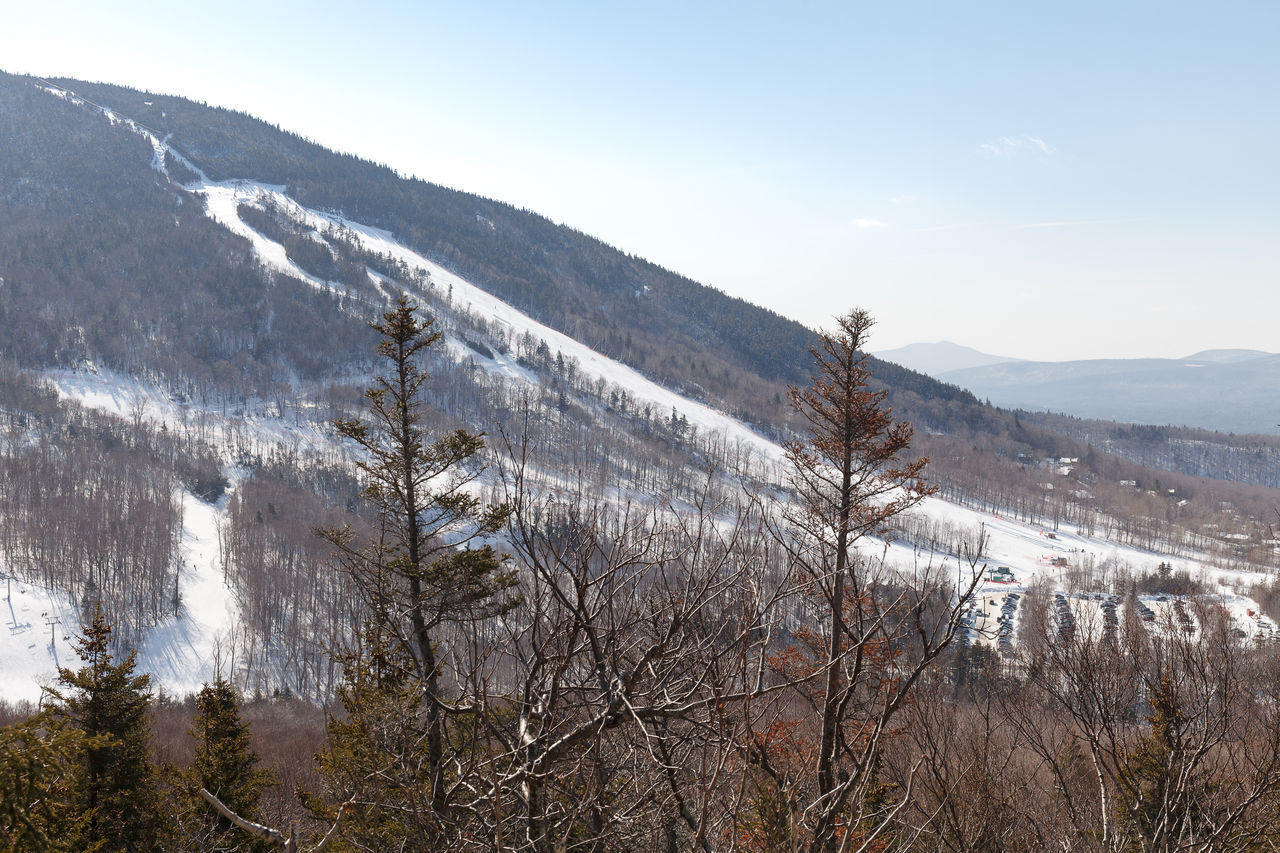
x=179, y=277
x=201, y=638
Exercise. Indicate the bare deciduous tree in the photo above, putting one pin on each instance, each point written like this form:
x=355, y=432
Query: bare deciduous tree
x=616, y=700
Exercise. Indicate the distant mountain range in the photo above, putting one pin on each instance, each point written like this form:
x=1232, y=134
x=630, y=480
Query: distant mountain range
x=1231, y=390
x=941, y=357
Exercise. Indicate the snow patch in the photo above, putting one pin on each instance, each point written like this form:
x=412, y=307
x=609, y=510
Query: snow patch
x=32, y=649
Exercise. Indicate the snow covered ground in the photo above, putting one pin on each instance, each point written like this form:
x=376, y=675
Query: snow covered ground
x=190, y=650
x=37, y=639
x=128, y=397
x=181, y=654
x=1030, y=552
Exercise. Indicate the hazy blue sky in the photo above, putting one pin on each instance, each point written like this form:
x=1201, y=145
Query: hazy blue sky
x=1039, y=180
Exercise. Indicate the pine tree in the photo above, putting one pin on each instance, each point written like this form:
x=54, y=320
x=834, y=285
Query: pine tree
x=225, y=765
x=423, y=573
x=850, y=478
x=373, y=751
x=115, y=797
x=1167, y=793
x=38, y=769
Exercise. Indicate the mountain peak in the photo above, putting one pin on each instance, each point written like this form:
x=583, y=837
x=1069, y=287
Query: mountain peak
x=1227, y=356
x=939, y=357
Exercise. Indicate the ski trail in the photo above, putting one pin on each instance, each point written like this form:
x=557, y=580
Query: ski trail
x=189, y=651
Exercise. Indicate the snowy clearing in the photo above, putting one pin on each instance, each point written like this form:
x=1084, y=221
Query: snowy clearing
x=181, y=654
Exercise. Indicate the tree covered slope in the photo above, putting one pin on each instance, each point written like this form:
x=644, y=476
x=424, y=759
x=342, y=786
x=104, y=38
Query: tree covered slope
x=135, y=261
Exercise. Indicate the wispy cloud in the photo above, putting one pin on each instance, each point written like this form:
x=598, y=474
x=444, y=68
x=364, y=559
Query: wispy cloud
x=905, y=198
x=1009, y=146
x=868, y=223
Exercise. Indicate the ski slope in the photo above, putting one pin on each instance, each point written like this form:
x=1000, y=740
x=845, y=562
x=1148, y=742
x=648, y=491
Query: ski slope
x=223, y=199
x=190, y=649
x=36, y=639
x=181, y=654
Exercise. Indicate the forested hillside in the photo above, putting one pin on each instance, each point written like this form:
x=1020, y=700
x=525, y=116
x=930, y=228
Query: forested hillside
x=110, y=260
x=105, y=261
x=120, y=301
x=695, y=338
x=573, y=552
x=1203, y=453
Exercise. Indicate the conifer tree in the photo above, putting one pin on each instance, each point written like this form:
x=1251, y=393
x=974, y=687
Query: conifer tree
x=114, y=798
x=427, y=570
x=874, y=633
x=38, y=769
x=225, y=765
x=373, y=751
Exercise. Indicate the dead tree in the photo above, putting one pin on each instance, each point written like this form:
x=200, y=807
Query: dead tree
x=875, y=629
x=287, y=843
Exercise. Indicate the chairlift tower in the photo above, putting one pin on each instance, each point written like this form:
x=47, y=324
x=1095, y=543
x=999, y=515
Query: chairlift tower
x=53, y=622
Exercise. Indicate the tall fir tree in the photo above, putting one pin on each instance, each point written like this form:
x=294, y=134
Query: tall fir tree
x=115, y=796
x=225, y=765
x=427, y=569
